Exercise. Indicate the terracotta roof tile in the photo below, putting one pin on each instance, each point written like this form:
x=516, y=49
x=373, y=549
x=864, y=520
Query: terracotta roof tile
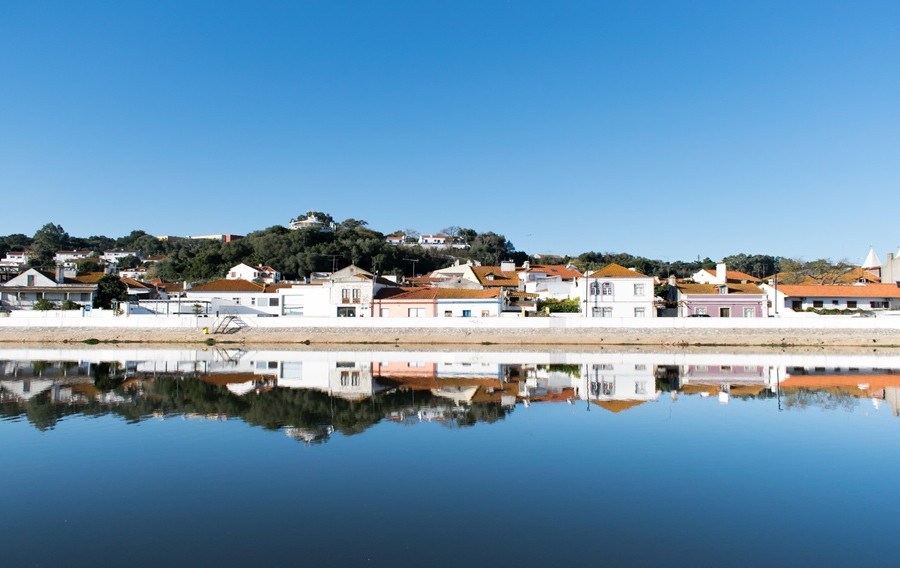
x=493, y=276
x=616, y=271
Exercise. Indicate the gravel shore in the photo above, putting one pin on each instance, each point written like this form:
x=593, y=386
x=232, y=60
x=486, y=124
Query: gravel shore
x=406, y=336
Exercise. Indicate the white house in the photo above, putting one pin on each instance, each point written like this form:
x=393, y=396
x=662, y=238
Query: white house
x=68, y=257
x=438, y=302
x=310, y=222
x=550, y=280
x=723, y=276
x=258, y=273
x=32, y=285
x=617, y=292
x=114, y=256
x=790, y=298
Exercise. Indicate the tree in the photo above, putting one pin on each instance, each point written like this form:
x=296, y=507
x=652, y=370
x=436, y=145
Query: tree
x=109, y=289
x=47, y=240
x=129, y=261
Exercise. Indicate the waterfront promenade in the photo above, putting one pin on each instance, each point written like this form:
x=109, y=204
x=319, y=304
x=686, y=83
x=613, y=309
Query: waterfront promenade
x=64, y=327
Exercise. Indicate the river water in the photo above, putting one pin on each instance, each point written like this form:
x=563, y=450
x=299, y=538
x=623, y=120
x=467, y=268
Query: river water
x=231, y=457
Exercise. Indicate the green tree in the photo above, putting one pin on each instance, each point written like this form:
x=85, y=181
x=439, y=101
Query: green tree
x=109, y=289
x=46, y=241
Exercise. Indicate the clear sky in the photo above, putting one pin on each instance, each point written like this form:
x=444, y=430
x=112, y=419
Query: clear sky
x=666, y=129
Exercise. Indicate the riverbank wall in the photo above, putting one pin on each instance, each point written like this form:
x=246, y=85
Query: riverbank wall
x=63, y=327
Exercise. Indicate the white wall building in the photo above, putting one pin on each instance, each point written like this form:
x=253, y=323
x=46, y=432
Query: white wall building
x=617, y=292
x=258, y=273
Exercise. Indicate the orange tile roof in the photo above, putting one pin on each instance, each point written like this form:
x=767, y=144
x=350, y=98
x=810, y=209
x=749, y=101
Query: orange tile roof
x=840, y=291
x=614, y=270
x=500, y=278
x=224, y=285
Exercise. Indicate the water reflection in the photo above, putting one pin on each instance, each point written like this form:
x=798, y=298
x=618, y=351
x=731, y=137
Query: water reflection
x=310, y=395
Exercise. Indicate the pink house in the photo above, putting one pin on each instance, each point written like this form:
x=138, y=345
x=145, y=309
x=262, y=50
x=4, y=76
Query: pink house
x=721, y=300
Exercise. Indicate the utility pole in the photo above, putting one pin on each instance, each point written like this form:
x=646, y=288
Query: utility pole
x=413, y=261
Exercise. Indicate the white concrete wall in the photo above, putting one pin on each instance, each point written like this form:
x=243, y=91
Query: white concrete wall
x=106, y=319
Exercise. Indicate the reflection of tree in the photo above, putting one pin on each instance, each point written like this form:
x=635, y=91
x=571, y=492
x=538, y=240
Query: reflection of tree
x=107, y=376
x=303, y=411
x=828, y=399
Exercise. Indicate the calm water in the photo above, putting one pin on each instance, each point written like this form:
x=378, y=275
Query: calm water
x=280, y=458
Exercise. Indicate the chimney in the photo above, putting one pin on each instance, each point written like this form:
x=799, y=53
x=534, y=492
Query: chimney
x=721, y=273
x=672, y=280
x=507, y=266
x=60, y=274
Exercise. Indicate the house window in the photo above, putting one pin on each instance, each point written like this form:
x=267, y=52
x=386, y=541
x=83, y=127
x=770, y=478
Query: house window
x=817, y=303
x=273, y=301
x=485, y=313
x=595, y=288
x=834, y=302
x=606, y=288
x=467, y=313
x=605, y=312
x=385, y=312
x=346, y=312
x=640, y=388
x=638, y=289
x=724, y=312
x=448, y=313
x=595, y=312
x=416, y=312
x=29, y=280
x=639, y=312
x=749, y=312
x=701, y=311
x=356, y=295
x=345, y=295
x=851, y=304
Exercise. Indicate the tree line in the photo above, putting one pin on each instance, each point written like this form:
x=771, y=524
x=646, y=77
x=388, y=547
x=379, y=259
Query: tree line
x=299, y=253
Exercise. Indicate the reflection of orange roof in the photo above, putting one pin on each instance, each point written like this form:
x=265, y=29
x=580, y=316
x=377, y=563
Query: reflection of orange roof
x=746, y=390
x=483, y=394
x=618, y=405
x=561, y=396
x=875, y=382
x=223, y=379
x=694, y=388
x=429, y=383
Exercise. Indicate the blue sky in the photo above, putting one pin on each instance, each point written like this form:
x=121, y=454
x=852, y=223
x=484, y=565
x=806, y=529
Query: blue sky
x=666, y=129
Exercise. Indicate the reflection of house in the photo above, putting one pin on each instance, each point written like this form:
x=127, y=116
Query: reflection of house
x=616, y=386
x=616, y=291
x=32, y=285
x=874, y=384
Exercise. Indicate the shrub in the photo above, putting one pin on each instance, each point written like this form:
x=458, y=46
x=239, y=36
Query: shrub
x=44, y=305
